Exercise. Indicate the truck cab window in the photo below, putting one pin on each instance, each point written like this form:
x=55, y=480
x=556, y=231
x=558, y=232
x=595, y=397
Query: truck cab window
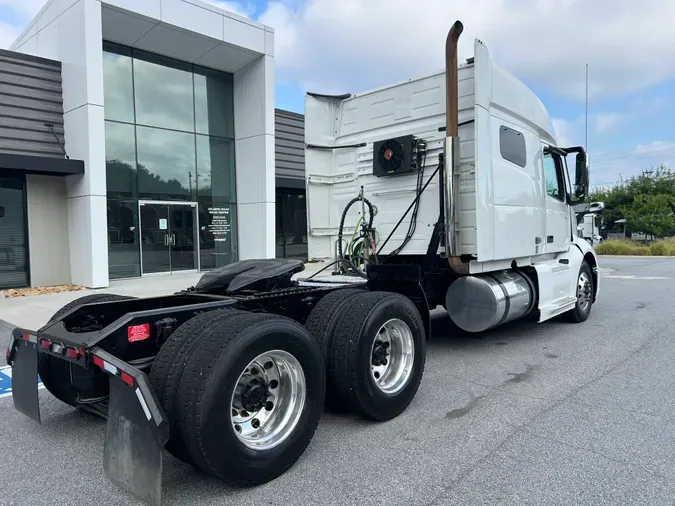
x=512, y=146
x=553, y=175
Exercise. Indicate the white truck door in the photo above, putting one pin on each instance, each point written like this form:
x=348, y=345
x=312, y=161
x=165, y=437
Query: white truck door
x=557, y=235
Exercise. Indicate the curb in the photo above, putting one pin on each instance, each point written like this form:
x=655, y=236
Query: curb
x=635, y=256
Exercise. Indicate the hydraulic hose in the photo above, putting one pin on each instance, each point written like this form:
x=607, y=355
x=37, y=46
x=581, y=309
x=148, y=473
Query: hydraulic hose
x=344, y=215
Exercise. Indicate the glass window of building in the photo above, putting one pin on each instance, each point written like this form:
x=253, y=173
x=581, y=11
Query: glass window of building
x=13, y=240
x=291, y=225
x=123, y=245
x=120, y=159
x=166, y=164
x=214, y=104
x=217, y=234
x=215, y=166
x=118, y=92
x=169, y=137
x=163, y=92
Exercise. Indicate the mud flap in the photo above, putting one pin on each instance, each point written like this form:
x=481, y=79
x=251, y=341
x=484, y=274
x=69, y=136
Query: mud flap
x=25, y=379
x=135, y=435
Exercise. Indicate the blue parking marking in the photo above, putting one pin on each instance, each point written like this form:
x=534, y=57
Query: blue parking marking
x=6, y=382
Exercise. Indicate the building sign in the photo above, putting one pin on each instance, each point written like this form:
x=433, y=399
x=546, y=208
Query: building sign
x=219, y=224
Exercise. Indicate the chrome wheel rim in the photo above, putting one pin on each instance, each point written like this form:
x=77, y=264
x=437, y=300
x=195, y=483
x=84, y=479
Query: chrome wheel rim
x=392, y=356
x=584, y=291
x=268, y=400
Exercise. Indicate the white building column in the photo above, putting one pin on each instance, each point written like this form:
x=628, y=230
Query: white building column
x=70, y=31
x=81, y=55
x=254, y=144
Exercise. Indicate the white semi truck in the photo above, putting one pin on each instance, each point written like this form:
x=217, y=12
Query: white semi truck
x=472, y=154
x=446, y=190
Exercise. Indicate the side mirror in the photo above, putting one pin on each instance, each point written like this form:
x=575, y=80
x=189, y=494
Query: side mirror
x=582, y=176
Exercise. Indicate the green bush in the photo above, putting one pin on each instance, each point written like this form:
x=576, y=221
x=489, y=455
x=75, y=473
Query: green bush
x=659, y=248
x=641, y=251
x=662, y=247
x=615, y=247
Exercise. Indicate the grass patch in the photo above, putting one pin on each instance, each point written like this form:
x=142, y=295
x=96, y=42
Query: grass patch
x=660, y=247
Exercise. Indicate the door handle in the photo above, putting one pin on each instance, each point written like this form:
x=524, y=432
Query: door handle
x=166, y=239
x=173, y=239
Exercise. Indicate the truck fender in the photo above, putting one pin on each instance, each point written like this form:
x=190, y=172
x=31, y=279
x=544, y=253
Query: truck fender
x=591, y=258
x=405, y=280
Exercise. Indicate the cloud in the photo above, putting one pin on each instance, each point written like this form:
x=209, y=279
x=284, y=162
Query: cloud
x=246, y=10
x=606, y=169
x=606, y=122
x=25, y=8
x=572, y=132
x=8, y=34
x=366, y=43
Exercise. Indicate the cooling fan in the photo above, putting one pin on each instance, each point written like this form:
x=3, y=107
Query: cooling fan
x=390, y=155
x=393, y=156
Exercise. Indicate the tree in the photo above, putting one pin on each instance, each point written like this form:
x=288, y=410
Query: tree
x=651, y=214
x=656, y=191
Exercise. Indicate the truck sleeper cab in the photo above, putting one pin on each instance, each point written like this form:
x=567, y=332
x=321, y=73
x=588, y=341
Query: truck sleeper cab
x=504, y=191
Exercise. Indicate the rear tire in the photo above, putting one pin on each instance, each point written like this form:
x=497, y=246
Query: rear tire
x=376, y=380
x=167, y=370
x=584, y=293
x=217, y=380
x=321, y=324
x=54, y=372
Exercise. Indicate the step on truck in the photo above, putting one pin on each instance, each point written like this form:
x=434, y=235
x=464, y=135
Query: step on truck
x=448, y=190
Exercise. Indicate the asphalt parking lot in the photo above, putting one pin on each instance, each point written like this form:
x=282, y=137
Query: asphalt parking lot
x=549, y=413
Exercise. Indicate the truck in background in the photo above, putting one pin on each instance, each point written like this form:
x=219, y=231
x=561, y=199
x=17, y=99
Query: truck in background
x=590, y=222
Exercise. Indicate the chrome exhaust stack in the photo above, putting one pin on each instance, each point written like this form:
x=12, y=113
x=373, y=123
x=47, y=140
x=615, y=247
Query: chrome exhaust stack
x=452, y=150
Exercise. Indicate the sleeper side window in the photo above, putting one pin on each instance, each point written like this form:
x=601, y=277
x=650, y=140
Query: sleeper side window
x=512, y=146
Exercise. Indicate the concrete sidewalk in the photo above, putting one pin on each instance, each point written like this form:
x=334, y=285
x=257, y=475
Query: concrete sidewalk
x=32, y=312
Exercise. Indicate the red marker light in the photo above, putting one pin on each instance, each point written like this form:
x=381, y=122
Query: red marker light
x=138, y=332
x=72, y=353
x=98, y=361
x=127, y=378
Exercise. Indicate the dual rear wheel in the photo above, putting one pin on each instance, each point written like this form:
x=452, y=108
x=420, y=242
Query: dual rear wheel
x=243, y=392
x=374, y=349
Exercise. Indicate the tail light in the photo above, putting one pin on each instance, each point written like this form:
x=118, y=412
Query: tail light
x=74, y=353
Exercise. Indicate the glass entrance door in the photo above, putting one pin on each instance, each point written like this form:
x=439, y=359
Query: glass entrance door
x=168, y=237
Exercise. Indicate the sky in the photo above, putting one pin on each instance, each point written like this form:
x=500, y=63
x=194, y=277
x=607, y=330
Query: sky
x=340, y=46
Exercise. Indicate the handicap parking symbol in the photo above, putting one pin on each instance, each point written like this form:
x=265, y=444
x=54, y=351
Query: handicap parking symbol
x=6, y=382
